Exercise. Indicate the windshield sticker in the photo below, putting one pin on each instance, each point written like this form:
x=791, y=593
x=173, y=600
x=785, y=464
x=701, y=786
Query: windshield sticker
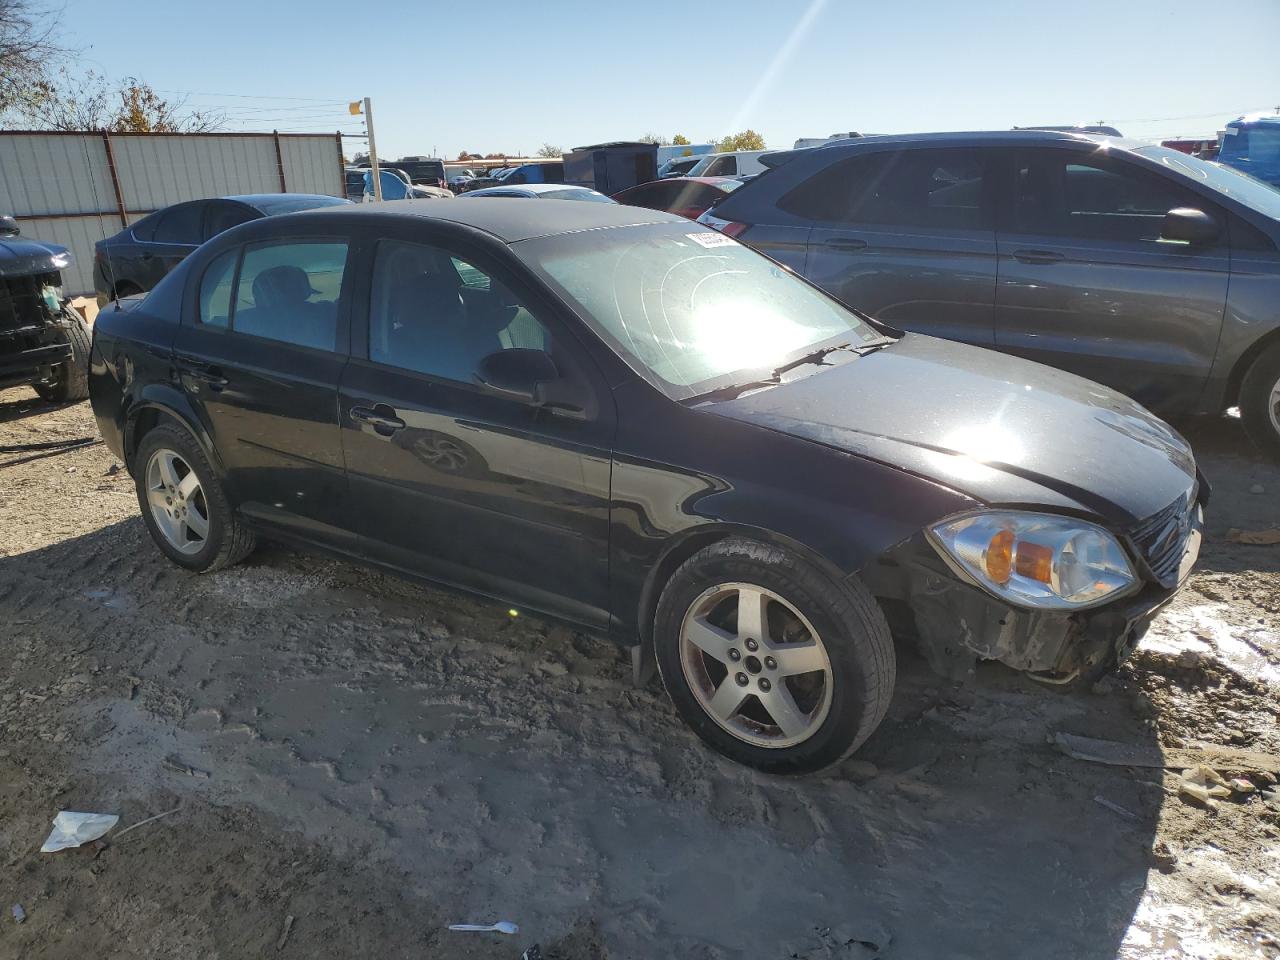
x=712, y=239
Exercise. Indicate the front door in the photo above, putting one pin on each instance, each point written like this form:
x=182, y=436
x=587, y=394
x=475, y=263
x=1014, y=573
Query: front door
x=1087, y=283
x=261, y=364
x=908, y=237
x=452, y=481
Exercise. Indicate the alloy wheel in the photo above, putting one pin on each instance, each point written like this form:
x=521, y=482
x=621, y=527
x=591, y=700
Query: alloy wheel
x=756, y=665
x=177, y=501
x=1273, y=407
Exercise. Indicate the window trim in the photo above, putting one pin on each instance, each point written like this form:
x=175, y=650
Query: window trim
x=238, y=250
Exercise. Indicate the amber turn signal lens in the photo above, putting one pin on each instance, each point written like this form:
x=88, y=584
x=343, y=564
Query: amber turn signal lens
x=1000, y=557
x=1034, y=562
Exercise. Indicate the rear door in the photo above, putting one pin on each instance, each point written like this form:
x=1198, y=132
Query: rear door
x=908, y=237
x=1088, y=285
x=261, y=362
x=454, y=482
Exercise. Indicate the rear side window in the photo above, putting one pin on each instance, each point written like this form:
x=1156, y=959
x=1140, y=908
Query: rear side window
x=1064, y=194
x=290, y=291
x=224, y=216
x=215, y=290
x=181, y=224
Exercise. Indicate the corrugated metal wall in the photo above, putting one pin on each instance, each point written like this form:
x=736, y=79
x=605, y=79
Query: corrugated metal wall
x=60, y=185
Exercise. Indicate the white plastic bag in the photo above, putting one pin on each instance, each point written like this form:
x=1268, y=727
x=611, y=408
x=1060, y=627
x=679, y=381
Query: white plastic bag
x=71, y=829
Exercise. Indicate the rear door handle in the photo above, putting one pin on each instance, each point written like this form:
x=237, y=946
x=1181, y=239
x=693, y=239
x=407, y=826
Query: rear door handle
x=849, y=244
x=380, y=416
x=203, y=371
x=1037, y=256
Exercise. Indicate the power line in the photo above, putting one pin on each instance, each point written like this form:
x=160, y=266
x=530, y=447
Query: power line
x=252, y=96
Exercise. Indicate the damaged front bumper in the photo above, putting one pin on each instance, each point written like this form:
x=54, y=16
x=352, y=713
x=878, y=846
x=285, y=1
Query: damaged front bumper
x=957, y=622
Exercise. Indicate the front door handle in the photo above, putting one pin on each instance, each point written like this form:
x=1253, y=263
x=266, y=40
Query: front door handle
x=847, y=244
x=1037, y=256
x=380, y=416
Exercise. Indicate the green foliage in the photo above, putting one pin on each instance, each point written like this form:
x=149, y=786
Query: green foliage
x=746, y=140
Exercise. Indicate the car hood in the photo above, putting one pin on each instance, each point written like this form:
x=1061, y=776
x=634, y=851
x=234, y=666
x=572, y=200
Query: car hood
x=21, y=258
x=1000, y=429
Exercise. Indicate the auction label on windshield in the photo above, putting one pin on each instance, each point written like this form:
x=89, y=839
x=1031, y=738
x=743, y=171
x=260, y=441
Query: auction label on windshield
x=712, y=239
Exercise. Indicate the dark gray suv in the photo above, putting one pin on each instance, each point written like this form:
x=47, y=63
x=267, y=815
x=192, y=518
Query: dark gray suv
x=1133, y=265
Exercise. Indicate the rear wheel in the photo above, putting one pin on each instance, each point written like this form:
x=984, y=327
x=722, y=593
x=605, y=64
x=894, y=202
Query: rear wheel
x=769, y=660
x=183, y=504
x=71, y=379
x=1260, y=401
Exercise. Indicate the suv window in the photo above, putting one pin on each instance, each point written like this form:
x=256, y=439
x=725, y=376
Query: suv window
x=434, y=313
x=289, y=292
x=1065, y=194
x=215, y=290
x=180, y=224
x=930, y=188
x=721, y=167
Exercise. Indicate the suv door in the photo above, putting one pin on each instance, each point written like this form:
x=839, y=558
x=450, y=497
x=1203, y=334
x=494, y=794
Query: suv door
x=907, y=236
x=260, y=357
x=1087, y=283
x=453, y=481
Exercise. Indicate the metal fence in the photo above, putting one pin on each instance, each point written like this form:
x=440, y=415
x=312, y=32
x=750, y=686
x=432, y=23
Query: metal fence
x=76, y=188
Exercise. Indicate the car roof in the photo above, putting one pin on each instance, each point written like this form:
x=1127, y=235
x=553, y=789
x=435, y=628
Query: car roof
x=992, y=137
x=509, y=222
x=255, y=199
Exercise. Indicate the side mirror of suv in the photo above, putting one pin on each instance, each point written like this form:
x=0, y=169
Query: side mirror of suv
x=1189, y=225
x=530, y=376
x=9, y=227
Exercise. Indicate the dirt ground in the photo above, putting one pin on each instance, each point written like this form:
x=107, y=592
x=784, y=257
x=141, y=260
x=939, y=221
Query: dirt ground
x=375, y=760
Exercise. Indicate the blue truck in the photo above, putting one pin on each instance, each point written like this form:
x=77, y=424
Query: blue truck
x=1252, y=144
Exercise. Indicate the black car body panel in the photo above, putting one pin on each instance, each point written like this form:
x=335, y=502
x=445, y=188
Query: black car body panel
x=32, y=340
x=583, y=515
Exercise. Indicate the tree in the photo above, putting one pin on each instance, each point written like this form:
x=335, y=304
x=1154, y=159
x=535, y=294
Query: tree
x=746, y=140
x=550, y=150
x=680, y=140
x=27, y=49
x=654, y=138
x=92, y=102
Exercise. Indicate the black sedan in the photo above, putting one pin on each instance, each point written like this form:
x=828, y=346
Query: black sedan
x=134, y=260
x=617, y=418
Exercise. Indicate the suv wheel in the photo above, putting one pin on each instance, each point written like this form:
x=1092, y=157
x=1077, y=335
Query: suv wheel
x=1260, y=401
x=769, y=660
x=183, y=505
x=71, y=379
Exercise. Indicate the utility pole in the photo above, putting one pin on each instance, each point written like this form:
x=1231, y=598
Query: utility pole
x=374, y=170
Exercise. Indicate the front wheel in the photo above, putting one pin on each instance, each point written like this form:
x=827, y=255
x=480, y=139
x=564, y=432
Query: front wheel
x=772, y=662
x=1260, y=401
x=71, y=379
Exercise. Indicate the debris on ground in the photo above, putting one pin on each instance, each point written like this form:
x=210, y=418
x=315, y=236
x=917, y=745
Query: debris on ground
x=71, y=829
x=177, y=766
x=1153, y=755
x=1263, y=538
x=1163, y=855
x=284, y=933
x=502, y=926
x=1115, y=807
x=19, y=915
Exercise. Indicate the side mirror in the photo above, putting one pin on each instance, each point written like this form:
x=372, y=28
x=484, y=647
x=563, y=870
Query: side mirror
x=530, y=376
x=9, y=227
x=516, y=374
x=1189, y=225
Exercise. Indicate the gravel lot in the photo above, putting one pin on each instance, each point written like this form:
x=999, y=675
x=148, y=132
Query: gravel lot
x=376, y=759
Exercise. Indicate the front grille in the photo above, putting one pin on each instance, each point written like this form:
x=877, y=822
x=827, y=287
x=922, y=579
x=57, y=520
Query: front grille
x=1162, y=538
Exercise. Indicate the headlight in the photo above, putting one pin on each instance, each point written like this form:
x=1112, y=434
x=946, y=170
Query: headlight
x=1035, y=559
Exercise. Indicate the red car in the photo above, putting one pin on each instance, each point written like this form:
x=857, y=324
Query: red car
x=688, y=196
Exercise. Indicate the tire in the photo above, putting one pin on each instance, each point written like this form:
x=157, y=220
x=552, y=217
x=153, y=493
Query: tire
x=209, y=535
x=71, y=379
x=832, y=709
x=1260, y=401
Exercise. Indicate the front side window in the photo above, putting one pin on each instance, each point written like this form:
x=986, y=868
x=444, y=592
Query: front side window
x=689, y=308
x=216, y=287
x=289, y=292
x=434, y=313
x=1059, y=193
x=926, y=188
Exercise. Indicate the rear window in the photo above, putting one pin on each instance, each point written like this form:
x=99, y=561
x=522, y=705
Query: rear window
x=287, y=204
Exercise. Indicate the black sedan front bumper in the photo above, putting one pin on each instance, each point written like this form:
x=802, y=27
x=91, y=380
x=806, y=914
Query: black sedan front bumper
x=957, y=622
x=29, y=355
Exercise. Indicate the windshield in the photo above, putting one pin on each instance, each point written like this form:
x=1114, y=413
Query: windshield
x=568, y=194
x=691, y=310
x=1225, y=180
x=1254, y=148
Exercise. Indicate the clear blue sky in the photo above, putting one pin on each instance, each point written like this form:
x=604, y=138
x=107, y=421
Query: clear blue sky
x=503, y=75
